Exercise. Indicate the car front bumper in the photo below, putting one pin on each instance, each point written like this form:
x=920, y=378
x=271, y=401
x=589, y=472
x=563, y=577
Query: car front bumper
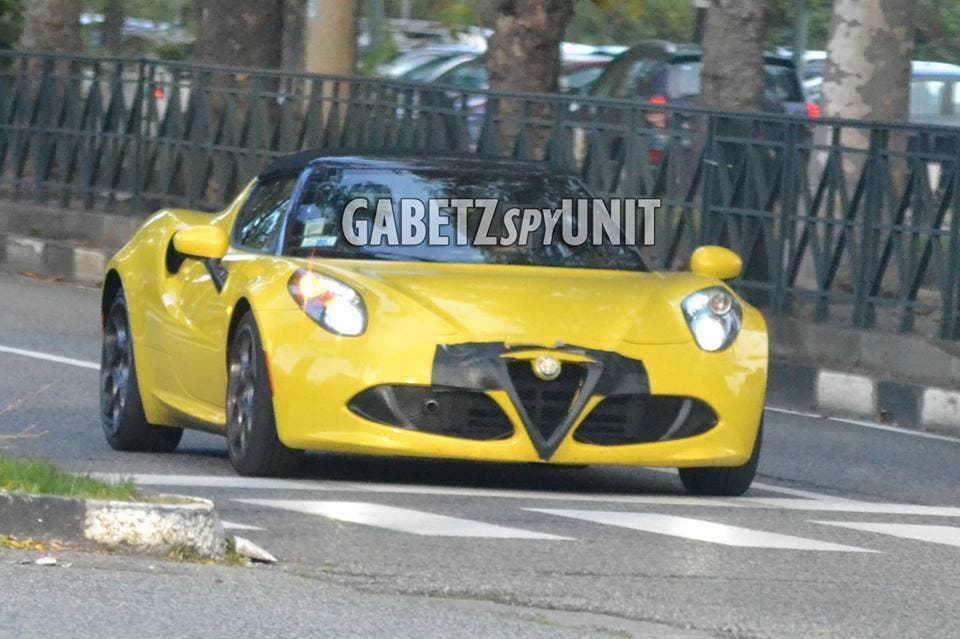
x=317, y=379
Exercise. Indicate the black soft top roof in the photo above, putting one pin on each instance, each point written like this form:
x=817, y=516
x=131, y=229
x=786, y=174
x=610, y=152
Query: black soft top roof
x=297, y=162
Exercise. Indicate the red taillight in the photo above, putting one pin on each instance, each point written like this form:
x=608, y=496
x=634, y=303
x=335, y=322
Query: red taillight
x=657, y=118
x=159, y=93
x=813, y=110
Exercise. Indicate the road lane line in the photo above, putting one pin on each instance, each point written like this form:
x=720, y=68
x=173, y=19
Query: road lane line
x=210, y=481
x=401, y=519
x=699, y=530
x=253, y=483
x=948, y=535
x=822, y=504
x=230, y=525
x=863, y=507
x=865, y=424
x=783, y=490
x=47, y=357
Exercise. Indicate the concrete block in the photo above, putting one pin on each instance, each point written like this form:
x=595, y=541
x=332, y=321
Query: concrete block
x=941, y=408
x=88, y=266
x=845, y=393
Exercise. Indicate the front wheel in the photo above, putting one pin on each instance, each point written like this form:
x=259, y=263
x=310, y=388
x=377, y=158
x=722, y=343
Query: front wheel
x=252, y=441
x=121, y=408
x=724, y=482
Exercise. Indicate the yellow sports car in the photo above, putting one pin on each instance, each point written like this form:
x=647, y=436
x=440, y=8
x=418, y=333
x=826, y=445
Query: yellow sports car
x=270, y=324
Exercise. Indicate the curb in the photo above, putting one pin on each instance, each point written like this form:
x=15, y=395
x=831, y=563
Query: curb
x=832, y=392
x=52, y=259
x=193, y=527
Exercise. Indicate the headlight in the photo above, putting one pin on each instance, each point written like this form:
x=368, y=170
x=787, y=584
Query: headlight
x=714, y=318
x=331, y=304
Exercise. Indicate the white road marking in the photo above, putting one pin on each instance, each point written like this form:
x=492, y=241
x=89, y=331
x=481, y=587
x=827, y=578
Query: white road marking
x=783, y=490
x=229, y=525
x=865, y=424
x=821, y=503
x=69, y=361
x=210, y=481
x=849, y=506
x=699, y=530
x=948, y=535
x=401, y=519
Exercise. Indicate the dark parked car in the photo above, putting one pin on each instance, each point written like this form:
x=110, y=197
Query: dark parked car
x=667, y=73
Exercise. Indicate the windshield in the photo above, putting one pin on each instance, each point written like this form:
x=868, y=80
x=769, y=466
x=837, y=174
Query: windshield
x=316, y=229
x=780, y=83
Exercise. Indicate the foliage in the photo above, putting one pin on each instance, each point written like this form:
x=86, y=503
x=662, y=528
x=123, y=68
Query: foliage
x=627, y=21
x=156, y=10
x=384, y=53
x=46, y=479
x=11, y=22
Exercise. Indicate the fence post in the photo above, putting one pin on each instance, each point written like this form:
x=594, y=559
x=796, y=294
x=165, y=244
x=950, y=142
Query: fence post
x=709, y=163
x=136, y=199
x=863, y=310
x=950, y=323
x=789, y=215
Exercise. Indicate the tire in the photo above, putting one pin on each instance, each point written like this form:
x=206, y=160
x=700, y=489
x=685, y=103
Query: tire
x=252, y=442
x=121, y=408
x=723, y=482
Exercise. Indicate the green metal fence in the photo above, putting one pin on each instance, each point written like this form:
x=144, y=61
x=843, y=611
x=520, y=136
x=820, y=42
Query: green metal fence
x=845, y=221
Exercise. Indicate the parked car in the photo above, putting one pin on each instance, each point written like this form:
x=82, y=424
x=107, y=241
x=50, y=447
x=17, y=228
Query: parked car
x=663, y=73
x=407, y=62
x=666, y=73
x=576, y=74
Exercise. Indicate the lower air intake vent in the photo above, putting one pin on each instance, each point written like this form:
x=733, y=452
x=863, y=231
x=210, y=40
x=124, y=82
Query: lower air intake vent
x=434, y=409
x=546, y=402
x=640, y=419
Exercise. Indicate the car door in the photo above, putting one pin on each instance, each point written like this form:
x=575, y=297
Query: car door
x=197, y=338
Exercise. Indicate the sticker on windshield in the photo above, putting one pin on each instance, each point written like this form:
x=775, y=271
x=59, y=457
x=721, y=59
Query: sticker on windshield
x=319, y=233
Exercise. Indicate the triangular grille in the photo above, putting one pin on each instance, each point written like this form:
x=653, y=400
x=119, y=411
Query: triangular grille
x=546, y=404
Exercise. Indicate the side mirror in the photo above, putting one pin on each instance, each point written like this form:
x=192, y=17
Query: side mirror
x=202, y=242
x=716, y=261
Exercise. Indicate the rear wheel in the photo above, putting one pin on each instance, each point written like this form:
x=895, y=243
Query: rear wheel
x=728, y=482
x=252, y=441
x=121, y=409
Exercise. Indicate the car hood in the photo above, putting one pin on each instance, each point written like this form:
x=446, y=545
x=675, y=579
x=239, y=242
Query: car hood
x=531, y=304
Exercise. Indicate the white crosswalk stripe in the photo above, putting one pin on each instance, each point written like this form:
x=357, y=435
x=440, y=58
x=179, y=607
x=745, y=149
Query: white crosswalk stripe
x=699, y=530
x=401, y=519
x=948, y=535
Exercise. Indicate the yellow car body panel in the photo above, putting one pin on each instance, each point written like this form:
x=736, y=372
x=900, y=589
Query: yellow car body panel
x=181, y=324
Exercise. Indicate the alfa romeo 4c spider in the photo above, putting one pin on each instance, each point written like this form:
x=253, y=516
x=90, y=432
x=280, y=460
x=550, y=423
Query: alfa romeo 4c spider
x=263, y=323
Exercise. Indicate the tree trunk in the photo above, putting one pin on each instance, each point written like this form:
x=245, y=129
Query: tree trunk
x=867, y=77
x=332, y=36
x=52, y=25
x=113, y=19
x=243, y=33
x=731, y=78
x=294, y=35
x=524, y=51
x=868, y=60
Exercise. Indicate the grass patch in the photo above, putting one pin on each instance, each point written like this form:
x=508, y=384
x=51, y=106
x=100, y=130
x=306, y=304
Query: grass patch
x=46, y=479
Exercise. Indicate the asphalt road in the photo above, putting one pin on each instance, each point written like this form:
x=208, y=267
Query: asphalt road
x=850, y=531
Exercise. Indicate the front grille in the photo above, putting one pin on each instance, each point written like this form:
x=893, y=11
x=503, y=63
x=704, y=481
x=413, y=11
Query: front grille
x=546, y=403
x=434, y=409
x=640, y=419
